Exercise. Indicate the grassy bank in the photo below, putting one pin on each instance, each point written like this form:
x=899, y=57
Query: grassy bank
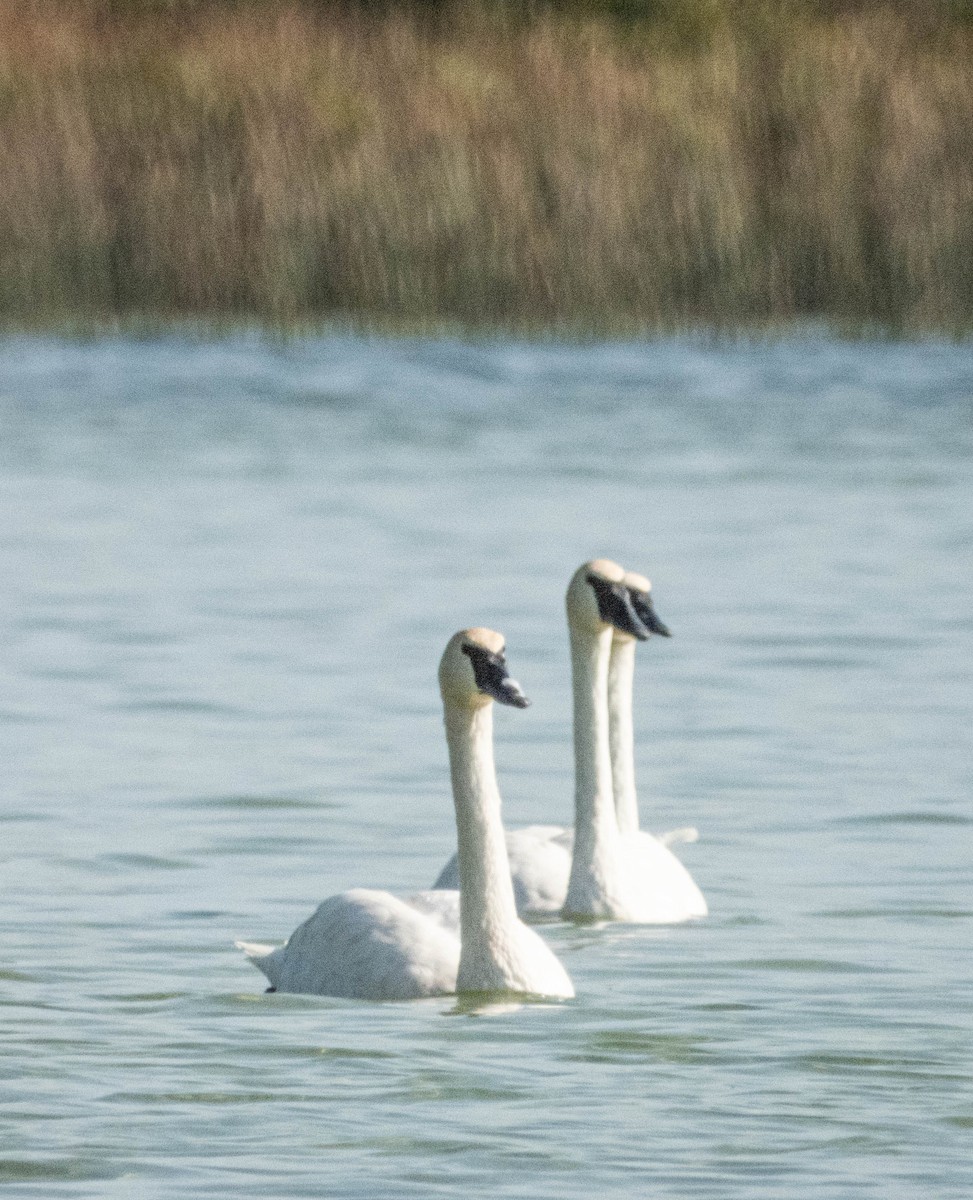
x=294, y=163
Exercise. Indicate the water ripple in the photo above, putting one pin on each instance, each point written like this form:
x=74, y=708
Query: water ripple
x=226, y=573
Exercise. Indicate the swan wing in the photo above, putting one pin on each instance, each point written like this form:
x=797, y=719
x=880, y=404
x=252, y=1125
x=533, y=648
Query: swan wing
x=366, y=945
x=540, y=866
x=441, y=906
x=672, y=837
x=255, y=950
x=661, y=889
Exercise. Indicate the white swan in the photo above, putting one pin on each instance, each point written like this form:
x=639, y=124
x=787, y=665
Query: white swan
x=621, y=675
x=631, y=876
x=614, y=876
x=371, y=945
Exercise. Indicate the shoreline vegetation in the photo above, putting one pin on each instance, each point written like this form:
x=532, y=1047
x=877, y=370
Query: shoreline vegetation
x=580, y=168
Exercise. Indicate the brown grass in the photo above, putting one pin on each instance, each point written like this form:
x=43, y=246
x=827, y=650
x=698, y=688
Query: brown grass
x=282, y=164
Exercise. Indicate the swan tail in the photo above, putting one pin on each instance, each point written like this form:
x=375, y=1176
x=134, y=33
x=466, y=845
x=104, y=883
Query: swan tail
x=264, y=959
x=673, y=837
x=255, y=950
x=448, y=878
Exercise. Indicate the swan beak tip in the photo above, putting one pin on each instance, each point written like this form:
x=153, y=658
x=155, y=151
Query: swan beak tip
x=510, y=692
x=648, y=617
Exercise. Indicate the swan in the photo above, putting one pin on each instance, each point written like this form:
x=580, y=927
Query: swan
x=371, y=945
x=616, y=876
x=621, y=675
x=626, y=875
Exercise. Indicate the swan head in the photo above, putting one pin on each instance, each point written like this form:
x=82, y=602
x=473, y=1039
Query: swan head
x=473, y=671
x=598, y=599
x=640, y=590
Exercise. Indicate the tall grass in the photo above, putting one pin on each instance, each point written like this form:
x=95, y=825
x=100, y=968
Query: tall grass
x=291, y=163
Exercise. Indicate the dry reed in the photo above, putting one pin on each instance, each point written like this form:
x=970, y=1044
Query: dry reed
x=282, y=164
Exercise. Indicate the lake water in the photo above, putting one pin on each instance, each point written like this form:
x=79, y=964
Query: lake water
x=227, y=572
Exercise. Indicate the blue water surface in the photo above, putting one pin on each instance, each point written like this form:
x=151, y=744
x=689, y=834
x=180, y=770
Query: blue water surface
x=227, y=572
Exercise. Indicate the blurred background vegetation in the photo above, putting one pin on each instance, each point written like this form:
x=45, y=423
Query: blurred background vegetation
x=580, y=165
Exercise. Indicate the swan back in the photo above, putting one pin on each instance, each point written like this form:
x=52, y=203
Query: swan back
x=366, y=944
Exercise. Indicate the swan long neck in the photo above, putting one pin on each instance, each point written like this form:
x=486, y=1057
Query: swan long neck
x=621, y=675
x=488, y=909
x=596, y=828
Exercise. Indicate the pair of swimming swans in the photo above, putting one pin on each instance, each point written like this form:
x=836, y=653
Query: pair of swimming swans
x=605, y=867
x=372, y=945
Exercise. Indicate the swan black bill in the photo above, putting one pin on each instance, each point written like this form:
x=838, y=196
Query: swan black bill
x=615, y=607
x=645, y=609
x=492, y=677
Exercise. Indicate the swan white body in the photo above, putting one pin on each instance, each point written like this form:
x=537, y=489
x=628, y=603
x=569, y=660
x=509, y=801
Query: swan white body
x=372, y=945
x=614, y=875
x=630, y=875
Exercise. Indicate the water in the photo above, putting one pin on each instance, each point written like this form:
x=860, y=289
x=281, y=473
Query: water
x=227, y=572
